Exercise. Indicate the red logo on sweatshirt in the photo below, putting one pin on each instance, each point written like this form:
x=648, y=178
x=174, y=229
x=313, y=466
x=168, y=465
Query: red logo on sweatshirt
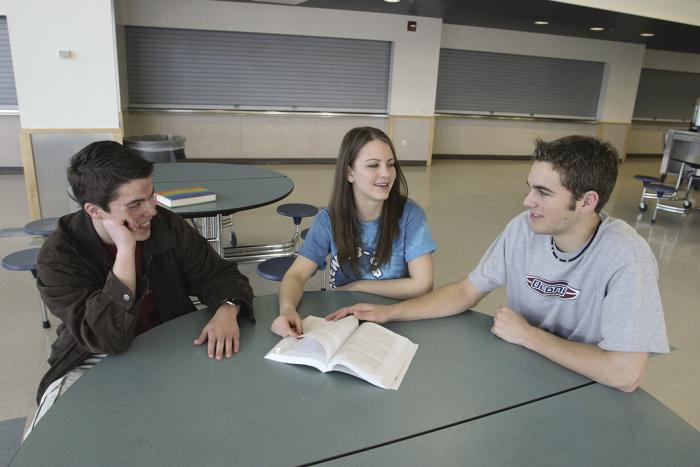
x=559, y=289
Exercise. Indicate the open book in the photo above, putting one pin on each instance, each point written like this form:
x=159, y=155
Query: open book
x=368, y=350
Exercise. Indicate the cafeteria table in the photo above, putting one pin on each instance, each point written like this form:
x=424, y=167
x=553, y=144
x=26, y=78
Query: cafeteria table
x=163, y=402
x=237, y=188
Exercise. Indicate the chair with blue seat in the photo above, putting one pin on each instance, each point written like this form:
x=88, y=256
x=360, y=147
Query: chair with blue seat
x=668, y=167
x=26, y=260
x=297, y=211
x=274, y=269
x=664, y=192
x=646, y=193
x=42, y=227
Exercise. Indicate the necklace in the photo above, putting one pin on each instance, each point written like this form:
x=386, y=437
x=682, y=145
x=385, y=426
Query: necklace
x=554, y=248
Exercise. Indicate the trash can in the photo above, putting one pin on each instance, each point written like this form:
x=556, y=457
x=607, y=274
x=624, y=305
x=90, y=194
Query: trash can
x=158, y=148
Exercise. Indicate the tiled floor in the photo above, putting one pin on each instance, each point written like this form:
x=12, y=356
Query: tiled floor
x=467, y=204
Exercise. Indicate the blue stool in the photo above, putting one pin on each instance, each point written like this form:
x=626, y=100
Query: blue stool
x=297, y=211
x=42, y=227
x=25, y=260
x=646, y=193
x=663, y=191
x=274, y=269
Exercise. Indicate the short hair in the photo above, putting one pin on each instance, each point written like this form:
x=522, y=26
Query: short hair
x=584, y=164
x=98, y=170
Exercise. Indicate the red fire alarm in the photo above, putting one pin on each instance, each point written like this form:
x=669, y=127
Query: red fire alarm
x=411, y=26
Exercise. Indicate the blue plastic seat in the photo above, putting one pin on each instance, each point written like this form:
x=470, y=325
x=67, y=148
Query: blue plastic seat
x=274, y=269
x=42, y=227
x=26, y=260
x=297, y=211
x=646, y=180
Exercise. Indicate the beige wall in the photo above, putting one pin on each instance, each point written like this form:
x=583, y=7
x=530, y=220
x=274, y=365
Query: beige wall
x=230, y=135
x=494, y=137
x=64, y=93
x=647, y=138
x=9, y=141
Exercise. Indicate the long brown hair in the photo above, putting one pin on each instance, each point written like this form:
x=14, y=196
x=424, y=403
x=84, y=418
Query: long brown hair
x=342, y=209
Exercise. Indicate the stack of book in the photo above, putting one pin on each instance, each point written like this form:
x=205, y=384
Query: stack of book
x=185, y=197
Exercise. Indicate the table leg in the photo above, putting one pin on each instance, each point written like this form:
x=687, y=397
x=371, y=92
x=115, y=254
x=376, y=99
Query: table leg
x=211, y=230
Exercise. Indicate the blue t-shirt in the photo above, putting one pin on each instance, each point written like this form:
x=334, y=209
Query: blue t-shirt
x=414, y=240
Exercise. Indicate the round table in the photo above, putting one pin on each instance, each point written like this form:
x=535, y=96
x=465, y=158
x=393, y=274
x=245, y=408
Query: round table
x=163, y=402
x=237, y=188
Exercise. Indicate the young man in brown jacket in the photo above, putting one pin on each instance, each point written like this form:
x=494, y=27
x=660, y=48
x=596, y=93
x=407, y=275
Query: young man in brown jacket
x=121, y=265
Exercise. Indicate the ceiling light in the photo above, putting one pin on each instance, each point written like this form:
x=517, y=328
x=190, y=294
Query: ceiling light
x=647, y=34
x=541, y=23
x=596, y=28
x=392, y=1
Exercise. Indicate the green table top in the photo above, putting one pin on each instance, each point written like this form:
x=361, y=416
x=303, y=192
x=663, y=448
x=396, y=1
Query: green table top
x=163, y=402
x=590, y=426
x=237, y=187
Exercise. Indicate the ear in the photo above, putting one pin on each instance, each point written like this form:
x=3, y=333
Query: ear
x=590, y=200
x=94, y=211
x=350, y=175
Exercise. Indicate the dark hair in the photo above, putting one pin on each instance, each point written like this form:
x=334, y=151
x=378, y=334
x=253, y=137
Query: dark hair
x=584, y=164
x=98, y=170
x=342, y=209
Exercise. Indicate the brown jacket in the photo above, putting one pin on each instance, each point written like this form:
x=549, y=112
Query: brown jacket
x=98, y=313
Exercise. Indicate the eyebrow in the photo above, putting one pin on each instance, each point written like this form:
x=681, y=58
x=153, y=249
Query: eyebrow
x=540, y=187
x=141, y=200
x=377, y=159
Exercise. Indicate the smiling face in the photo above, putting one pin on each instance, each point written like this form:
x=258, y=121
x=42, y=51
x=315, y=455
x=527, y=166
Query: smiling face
x=372, y=173
x=136, y=204
x=553, y=209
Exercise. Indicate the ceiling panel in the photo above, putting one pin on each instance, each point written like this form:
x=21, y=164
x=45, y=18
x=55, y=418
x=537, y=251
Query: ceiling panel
x=564, y=19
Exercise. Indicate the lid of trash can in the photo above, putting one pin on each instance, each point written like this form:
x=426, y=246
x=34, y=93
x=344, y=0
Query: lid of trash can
x=151, y=143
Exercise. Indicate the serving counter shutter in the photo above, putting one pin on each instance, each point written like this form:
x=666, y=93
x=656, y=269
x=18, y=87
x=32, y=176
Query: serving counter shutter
x=507, y=84
x=8, y=93
x=666, y=95
x=183, y=68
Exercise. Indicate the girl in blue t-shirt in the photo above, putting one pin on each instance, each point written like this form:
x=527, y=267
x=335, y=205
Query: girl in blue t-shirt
x=378, y=239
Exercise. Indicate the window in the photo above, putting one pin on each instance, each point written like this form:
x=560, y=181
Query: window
x=666, y=95
x=183, y=68
x=506, y=84
x=8, y=94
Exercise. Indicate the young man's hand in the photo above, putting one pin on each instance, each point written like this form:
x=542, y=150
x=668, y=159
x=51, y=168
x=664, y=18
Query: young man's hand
x=511, y=326
x=120, y=232
x=364, y=312
x=221, y=332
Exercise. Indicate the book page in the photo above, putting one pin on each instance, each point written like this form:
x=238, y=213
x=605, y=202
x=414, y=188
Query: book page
x=329, y=334
x=320, y=341
x=300, y=351
x=375, y=354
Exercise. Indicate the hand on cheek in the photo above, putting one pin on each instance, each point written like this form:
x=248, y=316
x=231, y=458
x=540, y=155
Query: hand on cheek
x=121, y=231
